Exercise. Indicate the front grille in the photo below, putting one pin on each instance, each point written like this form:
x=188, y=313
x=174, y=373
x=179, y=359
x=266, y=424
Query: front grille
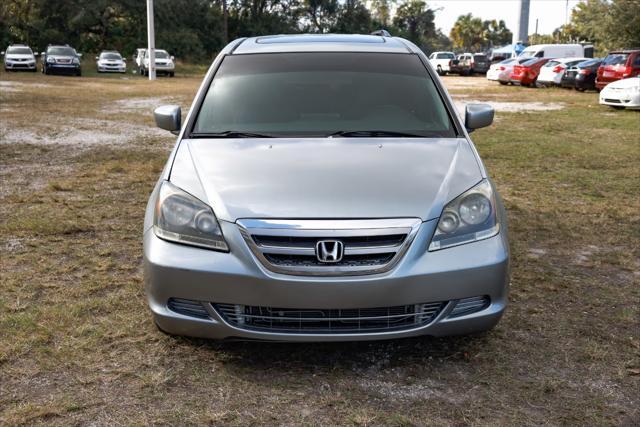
x=289, y=247
x=329, y=321
x=613, y=101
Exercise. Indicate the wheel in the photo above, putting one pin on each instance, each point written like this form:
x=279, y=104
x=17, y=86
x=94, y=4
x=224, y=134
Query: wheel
x=504, y=83
x=580, y=89
x=171, y=74
x=46, y=71
x=439, y=71
x=78, y=73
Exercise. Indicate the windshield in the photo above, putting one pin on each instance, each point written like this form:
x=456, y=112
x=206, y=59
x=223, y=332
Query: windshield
x=616, y=59
x=445, y=56
x=589, y=63
x=317, y=94
x=110, y=55
x=162, y=54
x=19, y=51
x=67, y=51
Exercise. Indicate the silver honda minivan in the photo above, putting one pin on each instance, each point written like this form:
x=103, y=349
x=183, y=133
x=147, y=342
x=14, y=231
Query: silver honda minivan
x=324, y=188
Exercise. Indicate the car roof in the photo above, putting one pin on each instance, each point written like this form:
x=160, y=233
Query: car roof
x=613, y=52
x=322, y=43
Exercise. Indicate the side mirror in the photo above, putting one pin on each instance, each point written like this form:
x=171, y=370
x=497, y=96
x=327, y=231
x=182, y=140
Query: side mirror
x=173, y=57
x=168, y=117
x=478, y=116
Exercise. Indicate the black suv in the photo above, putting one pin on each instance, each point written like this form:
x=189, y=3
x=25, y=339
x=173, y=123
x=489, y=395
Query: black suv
x=61, y=59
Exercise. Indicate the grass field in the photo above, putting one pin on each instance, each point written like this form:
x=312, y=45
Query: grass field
x=78, y=159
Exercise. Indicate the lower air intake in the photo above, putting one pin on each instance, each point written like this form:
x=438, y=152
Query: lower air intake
x=329, y=321
x=188, y=307
x=469, y=305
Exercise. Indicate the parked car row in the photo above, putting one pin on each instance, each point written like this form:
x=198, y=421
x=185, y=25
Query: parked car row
x=464, y=64
x=616, y=77
x=63, y=59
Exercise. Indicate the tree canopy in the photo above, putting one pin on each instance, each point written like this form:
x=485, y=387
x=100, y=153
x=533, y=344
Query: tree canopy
x=198, y=29
x=470, y=33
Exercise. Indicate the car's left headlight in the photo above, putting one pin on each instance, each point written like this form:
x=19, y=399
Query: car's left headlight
x=181, y=217
x=76, y=61
x=468, y=218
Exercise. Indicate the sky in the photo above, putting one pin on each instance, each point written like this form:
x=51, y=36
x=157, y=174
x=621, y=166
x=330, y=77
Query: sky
x=550, y=13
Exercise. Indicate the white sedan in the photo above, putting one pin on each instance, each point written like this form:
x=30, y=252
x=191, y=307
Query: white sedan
x=551, y=72
x=622, y=94
x=110, y=61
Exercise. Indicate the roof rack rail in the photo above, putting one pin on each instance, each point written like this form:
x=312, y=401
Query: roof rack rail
x=383, y=33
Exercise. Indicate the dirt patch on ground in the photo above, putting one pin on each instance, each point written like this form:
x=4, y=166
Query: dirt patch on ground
x=82, y=132
x=138, y=104
x=510, y=107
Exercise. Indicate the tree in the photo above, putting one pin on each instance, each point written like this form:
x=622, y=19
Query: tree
x=353, y=17
x=468, y=33
x=414, y=20
x=496, y=33
x=322, y=14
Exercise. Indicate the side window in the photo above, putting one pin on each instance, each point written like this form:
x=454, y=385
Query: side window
x=636, y=62
x=540, y=54
x=433, y=55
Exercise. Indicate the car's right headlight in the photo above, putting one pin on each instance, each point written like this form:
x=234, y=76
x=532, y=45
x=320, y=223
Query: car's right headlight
x=181, y=217
x=51, y=59
x=468, y=218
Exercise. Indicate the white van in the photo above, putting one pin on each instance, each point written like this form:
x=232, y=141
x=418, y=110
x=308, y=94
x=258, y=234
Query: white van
x=557, y=51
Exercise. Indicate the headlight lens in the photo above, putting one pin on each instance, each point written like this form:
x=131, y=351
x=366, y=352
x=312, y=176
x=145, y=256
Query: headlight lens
x=76, y=61
x=51, y=59
x=180, y=217
x=468, y=218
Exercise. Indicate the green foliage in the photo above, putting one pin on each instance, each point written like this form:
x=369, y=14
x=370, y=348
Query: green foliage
x=609, y=24
x=470, y=33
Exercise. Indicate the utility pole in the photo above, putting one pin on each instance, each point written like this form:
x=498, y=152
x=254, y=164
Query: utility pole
x=522, y=32
x=151, y=41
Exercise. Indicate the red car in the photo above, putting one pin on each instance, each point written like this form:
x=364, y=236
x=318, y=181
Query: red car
x=526, y=73
x=618, y=65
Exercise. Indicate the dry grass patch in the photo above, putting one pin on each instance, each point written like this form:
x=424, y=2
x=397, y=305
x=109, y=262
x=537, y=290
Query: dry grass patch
x=77, y=344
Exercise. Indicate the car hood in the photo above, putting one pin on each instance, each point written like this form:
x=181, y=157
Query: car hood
x=326, y=178
x=624, y=84
x=19, y=56
x=56, y=57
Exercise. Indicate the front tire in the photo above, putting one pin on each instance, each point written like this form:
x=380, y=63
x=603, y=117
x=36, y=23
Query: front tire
x=171, y=74
x=504, y=83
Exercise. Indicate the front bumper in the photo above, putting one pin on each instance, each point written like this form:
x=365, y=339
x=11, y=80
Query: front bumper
x=178, y=271
x=12, y=65
x=112, y=69
x=612, y=99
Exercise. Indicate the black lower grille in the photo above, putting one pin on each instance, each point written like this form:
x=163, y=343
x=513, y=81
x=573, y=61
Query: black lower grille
x=188, y=308
x=329, y=321
x=470, y=305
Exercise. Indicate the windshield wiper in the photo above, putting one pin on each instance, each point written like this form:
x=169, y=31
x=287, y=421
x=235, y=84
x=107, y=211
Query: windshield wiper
x=230, y=134
x=374, y=133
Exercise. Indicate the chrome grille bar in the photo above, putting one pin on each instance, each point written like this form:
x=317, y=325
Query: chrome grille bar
x=289, y=247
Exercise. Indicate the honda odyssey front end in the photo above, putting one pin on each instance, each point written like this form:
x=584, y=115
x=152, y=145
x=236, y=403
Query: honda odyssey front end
x=323, y=188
